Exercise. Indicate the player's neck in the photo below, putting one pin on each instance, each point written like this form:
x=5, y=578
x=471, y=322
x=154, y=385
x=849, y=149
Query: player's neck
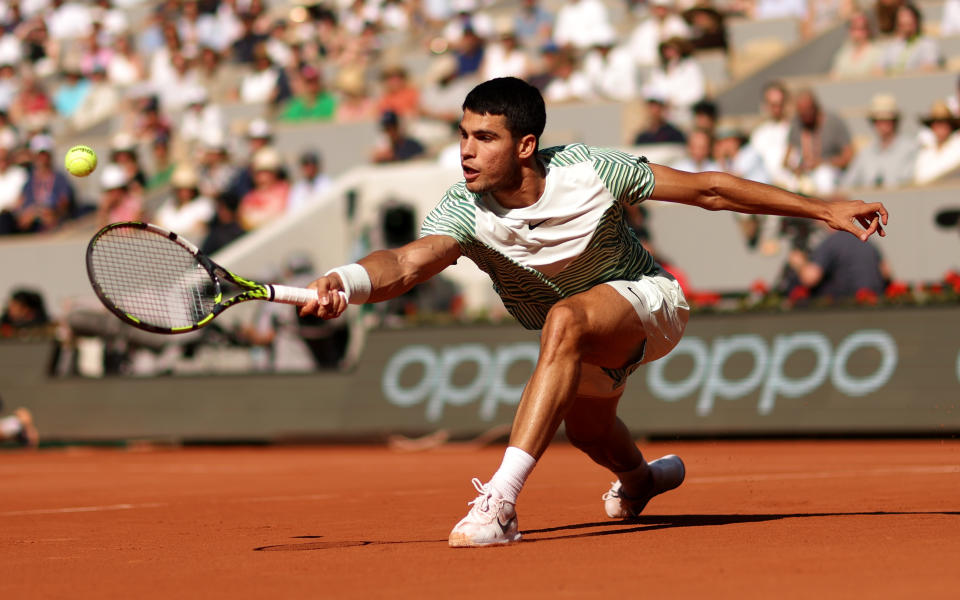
x=528, y=189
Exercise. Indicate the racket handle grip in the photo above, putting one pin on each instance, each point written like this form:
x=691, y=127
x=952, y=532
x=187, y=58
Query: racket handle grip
x=286, y=294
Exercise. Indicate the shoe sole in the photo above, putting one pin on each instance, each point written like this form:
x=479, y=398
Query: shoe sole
x=459, y=541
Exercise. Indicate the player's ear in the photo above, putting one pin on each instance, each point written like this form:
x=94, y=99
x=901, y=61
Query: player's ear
x=527, y=146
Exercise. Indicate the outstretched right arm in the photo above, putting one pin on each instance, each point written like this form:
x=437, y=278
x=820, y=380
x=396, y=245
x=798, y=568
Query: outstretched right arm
x=390, y=274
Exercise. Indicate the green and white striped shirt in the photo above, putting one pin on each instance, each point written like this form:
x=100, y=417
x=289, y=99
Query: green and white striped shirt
x=573, y=238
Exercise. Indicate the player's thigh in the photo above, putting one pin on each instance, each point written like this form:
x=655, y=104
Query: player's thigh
x=608, y=331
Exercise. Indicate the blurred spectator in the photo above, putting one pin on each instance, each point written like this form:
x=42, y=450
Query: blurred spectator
x=151, y=123
x=885, y=13
x=312, y=102
x=12, y=179
x=313, y=182
x=259, y=135
x=707, y=27
x=611, y=69
x=533, y=24
x=399, y=95
x=182, y=79
x=100, y=103
x=662, y=24
x=9, y=85
x=467, y=18
x=355, y=103
x=225, y=226
x=699, y=157
x=819, y=147
x=41, y=50
x=24, y=310
x=679, y=78
x=950, y=21
x=888, y=160
x=658, y=129
x=859, y=56
x=211, y=76
x=71, y=91
x=265, y=83
x=161, y=61
x=124, y=152
x=216, y=171
x=580, y=23
x=770, y=136
x=202, y=119
x=822, y=14
x=197, y=29
x=126, y=66
x=544, y=67
x=733, y=153
x=505, y=57
x=443, y=92
x=186, y=212
x=161, y=167
x=935, y=160
x=395, y=145
x=268, y=198
x=46, y=199
x=705, y=116
x=469, y=52
x=277, y=46
x=118, y=200
x=68, y=20
x=567, y=83
x=910, y=50
x=32, y=107
x=248, y=39
x=839, y=267
x=19, y=427
x=94, y=55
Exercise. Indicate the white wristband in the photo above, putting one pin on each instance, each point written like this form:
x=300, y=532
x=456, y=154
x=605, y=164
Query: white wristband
x=356, y=282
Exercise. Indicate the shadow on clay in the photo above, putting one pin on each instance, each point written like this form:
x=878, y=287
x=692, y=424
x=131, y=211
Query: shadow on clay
x=603, y=528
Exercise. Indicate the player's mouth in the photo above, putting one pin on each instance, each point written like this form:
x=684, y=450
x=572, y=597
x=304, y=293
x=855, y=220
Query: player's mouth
x=469, y=173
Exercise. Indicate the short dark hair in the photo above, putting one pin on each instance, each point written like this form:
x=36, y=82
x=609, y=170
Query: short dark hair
x=518, y=101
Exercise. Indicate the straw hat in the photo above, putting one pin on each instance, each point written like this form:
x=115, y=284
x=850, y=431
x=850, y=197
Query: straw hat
x=184, y=177
x=940, y=112
x=884, y=107
x=267, y=159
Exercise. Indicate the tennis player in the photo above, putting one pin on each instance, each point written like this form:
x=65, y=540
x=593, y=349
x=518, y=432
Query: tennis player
x=547, y=226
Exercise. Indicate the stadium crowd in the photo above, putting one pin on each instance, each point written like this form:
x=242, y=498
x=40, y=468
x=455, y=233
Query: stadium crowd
x=157, y=76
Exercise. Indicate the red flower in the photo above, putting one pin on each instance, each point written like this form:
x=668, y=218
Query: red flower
x=759, y=287
x=935, y=288
x=865, y=296
x=897, y=289
x=952, y=277
x=799, y=293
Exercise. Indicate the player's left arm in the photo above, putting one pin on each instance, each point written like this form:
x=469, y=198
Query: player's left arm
x=722, y=191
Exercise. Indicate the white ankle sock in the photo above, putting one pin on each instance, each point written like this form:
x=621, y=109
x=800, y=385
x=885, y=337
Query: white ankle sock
x=513, y=472
x=637, y=481
x=9, y=427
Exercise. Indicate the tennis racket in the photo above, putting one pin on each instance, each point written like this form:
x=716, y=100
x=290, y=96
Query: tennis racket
x=155, y=280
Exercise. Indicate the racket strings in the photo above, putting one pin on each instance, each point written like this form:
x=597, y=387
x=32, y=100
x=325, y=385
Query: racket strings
x=152, y=278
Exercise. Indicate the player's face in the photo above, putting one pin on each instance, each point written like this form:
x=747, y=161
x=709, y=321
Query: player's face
x=488, y=153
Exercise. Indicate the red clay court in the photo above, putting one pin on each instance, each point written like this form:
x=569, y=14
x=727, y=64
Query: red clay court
x=872, y=519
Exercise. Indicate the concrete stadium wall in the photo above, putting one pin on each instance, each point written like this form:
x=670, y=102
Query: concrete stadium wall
x=803, y=372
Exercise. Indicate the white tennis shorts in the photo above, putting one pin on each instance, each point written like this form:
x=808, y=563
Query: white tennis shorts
x=664, y=312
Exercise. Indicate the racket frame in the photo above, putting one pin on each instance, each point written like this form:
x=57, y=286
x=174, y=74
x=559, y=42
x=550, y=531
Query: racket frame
x=252, y=289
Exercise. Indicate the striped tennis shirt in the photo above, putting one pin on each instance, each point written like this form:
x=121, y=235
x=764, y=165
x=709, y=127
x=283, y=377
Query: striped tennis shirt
x=573, y=238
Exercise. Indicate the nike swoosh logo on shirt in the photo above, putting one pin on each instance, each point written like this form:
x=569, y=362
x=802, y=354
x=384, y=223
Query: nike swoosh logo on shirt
x=533, y=226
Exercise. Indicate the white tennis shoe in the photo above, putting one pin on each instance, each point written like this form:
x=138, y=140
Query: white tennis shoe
x=667, y=473
x=492, y=521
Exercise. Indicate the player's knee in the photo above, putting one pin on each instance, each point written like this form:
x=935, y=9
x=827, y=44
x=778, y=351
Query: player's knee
x=563, y=330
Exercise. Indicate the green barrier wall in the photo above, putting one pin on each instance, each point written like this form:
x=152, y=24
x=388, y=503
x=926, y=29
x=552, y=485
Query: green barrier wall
x=857, y=372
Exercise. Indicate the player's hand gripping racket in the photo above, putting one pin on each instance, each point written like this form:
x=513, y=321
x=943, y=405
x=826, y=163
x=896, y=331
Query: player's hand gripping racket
x=155, y=280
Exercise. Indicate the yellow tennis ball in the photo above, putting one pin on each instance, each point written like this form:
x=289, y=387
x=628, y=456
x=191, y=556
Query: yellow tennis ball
x=80, y=161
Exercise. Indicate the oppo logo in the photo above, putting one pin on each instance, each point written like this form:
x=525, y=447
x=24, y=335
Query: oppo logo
x=436, y=388
x=706, y=377
x=435, y=385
